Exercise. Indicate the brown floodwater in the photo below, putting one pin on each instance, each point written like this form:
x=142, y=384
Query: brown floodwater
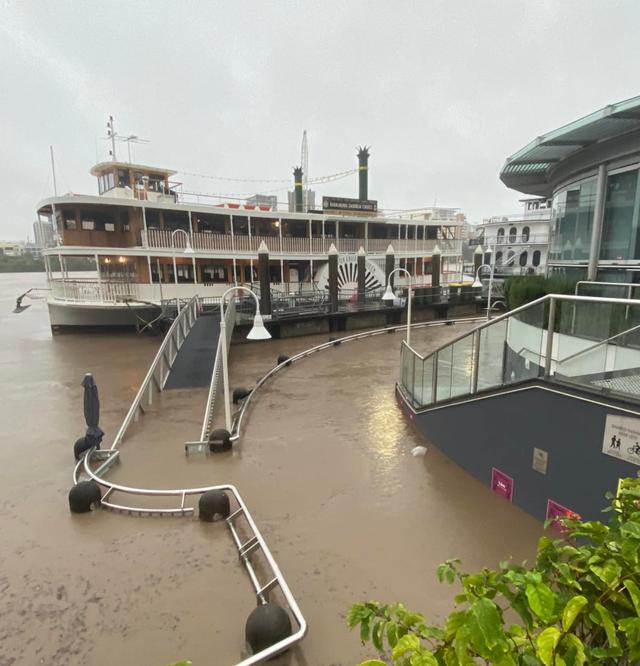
x=324, y=465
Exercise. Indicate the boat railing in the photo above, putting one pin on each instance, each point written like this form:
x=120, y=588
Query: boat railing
x=287, y=244
x=590, y=342
x=93, y=290
x=158, y=372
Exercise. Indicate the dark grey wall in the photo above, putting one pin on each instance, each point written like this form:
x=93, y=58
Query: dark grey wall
x=501, y=431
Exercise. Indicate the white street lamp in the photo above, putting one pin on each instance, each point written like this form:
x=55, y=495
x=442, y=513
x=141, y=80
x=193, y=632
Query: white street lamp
x=390, y=296
x=491, y=266
x=257, y=332
x=187, y=250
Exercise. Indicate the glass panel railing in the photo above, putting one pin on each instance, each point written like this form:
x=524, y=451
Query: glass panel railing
x=444, y=361
x=462, y=366
x=491, y=355
x=524, y=352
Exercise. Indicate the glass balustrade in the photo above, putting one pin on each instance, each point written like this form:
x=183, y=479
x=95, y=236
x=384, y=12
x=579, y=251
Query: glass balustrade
x=594, y=344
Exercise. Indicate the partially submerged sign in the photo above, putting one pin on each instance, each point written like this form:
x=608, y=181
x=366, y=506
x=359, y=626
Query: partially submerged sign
x=502, y=484
x=622, y=438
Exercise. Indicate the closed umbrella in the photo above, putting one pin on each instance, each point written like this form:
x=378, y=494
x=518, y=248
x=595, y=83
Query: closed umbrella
x=92, y=411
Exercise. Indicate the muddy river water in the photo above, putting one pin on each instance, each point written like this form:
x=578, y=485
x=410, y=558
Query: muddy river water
x=324, y=465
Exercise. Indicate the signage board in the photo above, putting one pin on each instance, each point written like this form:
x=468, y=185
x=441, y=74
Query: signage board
x=349, y=205
x=622, y=438
x=555, y=512
x=502, y=484
x=540, y=460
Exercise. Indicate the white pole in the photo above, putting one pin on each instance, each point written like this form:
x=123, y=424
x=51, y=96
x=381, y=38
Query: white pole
x=53, y=171
x=409, y=314
x=492, y=266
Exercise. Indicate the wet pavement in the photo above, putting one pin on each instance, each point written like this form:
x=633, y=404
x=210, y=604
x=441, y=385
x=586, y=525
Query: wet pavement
x=324, y=465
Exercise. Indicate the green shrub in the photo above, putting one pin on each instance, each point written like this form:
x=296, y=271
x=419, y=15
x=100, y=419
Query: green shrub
x=523, y=289
x=579, y=604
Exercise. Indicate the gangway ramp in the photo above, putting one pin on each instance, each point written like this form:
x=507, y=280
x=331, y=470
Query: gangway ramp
x=193, y=365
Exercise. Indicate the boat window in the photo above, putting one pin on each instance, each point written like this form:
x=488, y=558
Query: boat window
x=123, y=178
x=214, y=273
x=109, y=226
x=525, y=234
x=513, y=234
x=501, y=235
x=70, y=223
x=523, y=258
x=499, y=258
x=88, y=225
x=125, y=226
x=536, y=258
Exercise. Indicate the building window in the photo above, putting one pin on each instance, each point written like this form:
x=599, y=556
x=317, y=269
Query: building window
x=572, y=219
x=525, y=234
x=501, y=235
x=88, y=225
x=510, y=257
x=523, y=258
x=499, y=258
x=536, y=258
x=620, y=238
x=513, y=235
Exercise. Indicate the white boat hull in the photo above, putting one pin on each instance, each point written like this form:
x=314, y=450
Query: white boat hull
x=77, y=314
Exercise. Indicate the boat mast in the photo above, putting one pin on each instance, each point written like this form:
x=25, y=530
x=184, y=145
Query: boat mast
x=111, y=133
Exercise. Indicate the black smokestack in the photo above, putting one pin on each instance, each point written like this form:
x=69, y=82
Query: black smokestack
x=363, y=172
x=297, y=182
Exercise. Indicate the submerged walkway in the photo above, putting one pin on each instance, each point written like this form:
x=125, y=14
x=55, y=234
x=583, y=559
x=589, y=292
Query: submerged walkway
x=324, y=464
x=194, y=363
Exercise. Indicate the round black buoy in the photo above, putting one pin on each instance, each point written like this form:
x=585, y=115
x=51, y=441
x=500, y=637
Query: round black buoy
x=240, y=394
x=283, y=358
x=83, y=444
x=213, y=505
x=83, y=495
x=220, y=440
x=267, y=625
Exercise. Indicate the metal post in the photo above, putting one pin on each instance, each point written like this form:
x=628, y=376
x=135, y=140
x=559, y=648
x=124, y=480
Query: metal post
x=333, y=279
x=97, y=260
x=596, y=230
x=361, y=275
x=476, y=361
x=263, y=277
x=193, y=259
x=549, y=345
x=434, y=378
x=492, y=266
x=409, y=299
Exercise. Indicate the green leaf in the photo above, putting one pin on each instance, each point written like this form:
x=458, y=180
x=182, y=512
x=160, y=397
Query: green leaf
x=574, y=650
x=572, y=610
x=609, y=627
x=546, y=644
x=634, y=593
x=423, y=658
x=489, y=621
x=407, y=643
x=609, y=572
x=364, y=630
x=541, y=600
x=392, y=634
x=631, y=529
x=376, y=634
x=373, y=662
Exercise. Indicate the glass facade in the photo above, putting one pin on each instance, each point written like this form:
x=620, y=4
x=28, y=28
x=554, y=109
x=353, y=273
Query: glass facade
x=620, y=238
x=571, y=222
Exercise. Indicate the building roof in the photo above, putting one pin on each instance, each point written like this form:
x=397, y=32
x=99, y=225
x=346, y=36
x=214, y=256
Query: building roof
x=528, y=170
x=107, y=166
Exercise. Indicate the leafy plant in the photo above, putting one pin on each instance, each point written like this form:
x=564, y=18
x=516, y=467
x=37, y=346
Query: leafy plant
x=523, y=289
x=579, y=604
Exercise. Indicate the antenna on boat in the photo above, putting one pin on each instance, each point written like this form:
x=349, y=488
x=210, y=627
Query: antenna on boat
x=132, y=138
x=111, y=134
x=53, y=171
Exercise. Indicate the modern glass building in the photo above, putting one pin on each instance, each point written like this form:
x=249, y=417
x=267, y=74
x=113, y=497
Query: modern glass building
x=590, y=169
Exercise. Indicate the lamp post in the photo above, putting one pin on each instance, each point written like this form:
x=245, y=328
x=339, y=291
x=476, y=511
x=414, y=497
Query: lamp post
x=390, y=296
x=491, y=267
x=187, y=250
x=258, y=332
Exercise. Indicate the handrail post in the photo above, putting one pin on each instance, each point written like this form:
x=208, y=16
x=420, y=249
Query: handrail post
x=550, y=329
x=476, y=362
x=434, y=378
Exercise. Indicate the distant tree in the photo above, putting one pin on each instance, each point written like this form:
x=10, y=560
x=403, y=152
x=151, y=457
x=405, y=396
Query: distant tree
x=579, y=604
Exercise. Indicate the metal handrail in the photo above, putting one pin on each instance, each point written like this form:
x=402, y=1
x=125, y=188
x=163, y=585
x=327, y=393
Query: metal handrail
x=631, y=285
x=230, y=318
x=163, y=360
x=599, y=344
x=260, y=590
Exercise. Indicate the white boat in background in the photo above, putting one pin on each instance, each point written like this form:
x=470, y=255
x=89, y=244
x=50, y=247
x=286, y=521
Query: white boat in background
x=152, y=242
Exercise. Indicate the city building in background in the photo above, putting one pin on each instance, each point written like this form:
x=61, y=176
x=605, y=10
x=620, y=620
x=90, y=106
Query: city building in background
x=590, y=169
x=520, y=241
x=44, y=234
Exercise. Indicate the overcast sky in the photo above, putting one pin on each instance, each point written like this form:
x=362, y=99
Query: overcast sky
x=442, y=91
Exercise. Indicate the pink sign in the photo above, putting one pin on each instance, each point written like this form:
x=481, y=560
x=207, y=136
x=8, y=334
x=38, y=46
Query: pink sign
x=555, y=512
x=501, y=484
